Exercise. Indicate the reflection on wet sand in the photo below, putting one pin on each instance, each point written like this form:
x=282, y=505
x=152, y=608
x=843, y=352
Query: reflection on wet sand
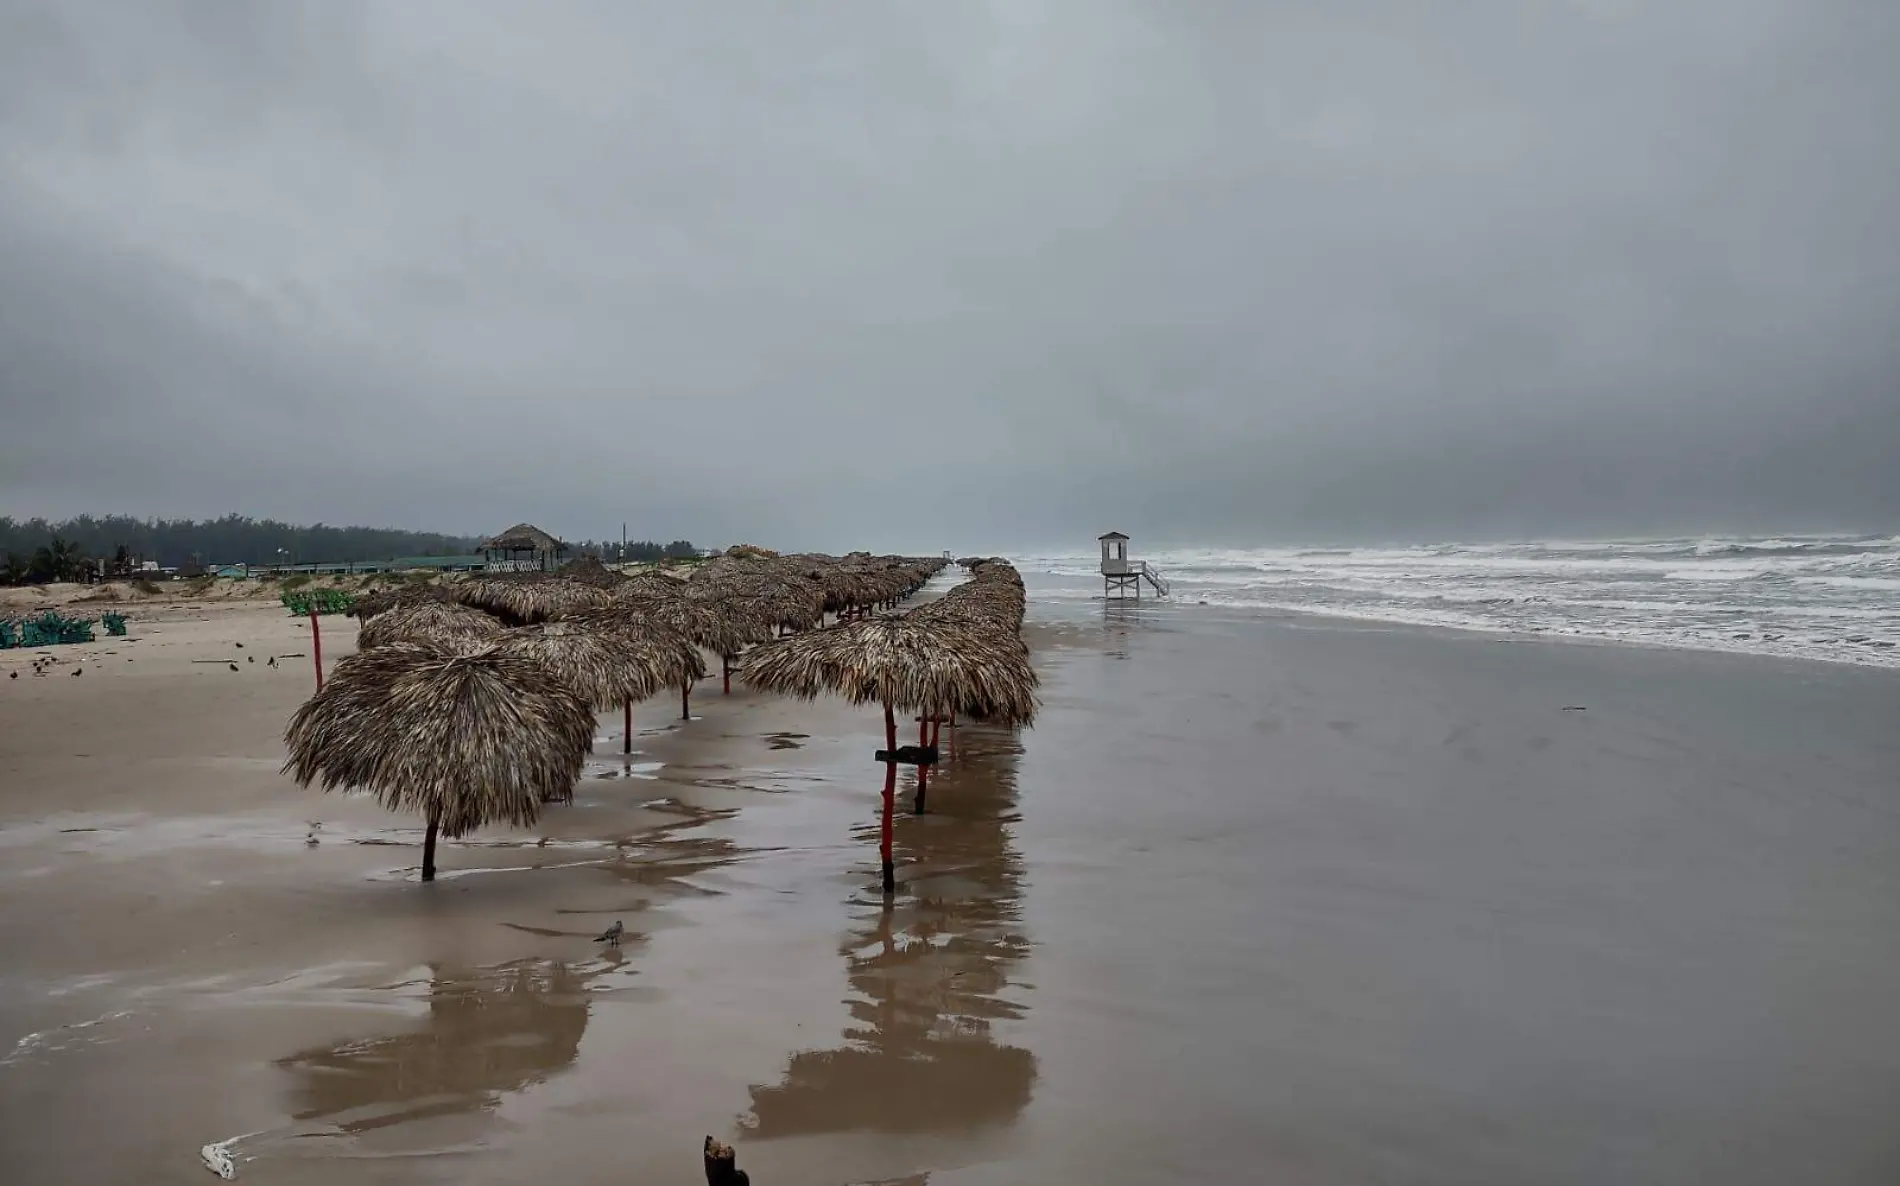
x=930, y=975
x=488, y=1031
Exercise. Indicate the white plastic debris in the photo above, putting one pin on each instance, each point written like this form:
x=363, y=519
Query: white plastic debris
x=217, y=1159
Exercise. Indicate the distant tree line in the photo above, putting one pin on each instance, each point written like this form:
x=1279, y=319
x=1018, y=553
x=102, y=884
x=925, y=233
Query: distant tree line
x=644, y=550
x=36, y=550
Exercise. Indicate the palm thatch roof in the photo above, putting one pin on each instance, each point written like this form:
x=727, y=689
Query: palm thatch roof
x=911, y=664
x=668, y=657
x=650, y=582
x=382, y=600
x=606, y=663
x=523, y=537
x=773, y=603
x=588, y=570
x=783, y=596
x=521, y=599
x=427, y=621
x=724, y=627
x=464, y=739
x=993, y=595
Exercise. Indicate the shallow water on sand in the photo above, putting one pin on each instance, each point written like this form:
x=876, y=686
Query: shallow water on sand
x=1255, y=901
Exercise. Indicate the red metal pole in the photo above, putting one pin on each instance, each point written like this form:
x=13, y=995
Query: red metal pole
x=316, y=648
x=890, y=800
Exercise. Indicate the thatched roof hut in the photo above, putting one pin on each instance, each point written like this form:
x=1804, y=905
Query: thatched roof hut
x=525, y=537
x=523, y=547
x=427, y=621
x=464, y=739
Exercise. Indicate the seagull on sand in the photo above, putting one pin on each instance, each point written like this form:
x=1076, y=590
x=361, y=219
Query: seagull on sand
x=612, y=934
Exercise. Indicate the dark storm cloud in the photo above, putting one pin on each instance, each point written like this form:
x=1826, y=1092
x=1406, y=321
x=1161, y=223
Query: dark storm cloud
x=906, y=275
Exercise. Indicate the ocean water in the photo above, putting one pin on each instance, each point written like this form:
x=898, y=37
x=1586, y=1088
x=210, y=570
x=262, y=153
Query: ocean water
x=1833, y=598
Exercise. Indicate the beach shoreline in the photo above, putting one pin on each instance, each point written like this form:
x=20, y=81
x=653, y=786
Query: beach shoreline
x=1415, y=877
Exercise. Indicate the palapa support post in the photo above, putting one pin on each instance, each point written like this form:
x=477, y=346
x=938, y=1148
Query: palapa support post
x=923, y=772
x=686, y=701
x=725, y=671
x=316, y=647
x=428, y=849
x=890, y=799
x=626, y=742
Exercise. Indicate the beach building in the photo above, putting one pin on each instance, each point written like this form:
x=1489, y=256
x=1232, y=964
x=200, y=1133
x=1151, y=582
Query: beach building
x=473, y=562
x=523, y=548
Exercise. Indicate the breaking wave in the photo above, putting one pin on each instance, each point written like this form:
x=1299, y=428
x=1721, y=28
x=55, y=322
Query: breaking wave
x=1832, y=598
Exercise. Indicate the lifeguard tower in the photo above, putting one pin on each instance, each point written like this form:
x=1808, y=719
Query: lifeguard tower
x=1120, y=575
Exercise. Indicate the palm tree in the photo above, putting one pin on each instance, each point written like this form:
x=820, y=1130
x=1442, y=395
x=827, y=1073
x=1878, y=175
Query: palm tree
x=59, y=560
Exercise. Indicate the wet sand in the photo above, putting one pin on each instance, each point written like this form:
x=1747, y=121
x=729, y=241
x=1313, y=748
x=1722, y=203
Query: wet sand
x=1257, y=900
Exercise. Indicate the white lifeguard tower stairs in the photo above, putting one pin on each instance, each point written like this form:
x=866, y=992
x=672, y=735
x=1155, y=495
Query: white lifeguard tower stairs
x=1123, y=578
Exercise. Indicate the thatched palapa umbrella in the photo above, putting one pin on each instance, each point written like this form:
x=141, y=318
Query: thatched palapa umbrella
x=525, y=598
x=425, y=622
x=667, y=657
x=720, y=628
x=463, y=737
x=382, y=600
x=933, y=667
x=743, y=619
x=607, y=664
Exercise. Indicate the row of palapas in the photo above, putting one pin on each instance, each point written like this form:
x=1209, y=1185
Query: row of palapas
x=473, y=702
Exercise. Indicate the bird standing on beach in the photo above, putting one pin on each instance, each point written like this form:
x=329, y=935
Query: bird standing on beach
x=611, y=935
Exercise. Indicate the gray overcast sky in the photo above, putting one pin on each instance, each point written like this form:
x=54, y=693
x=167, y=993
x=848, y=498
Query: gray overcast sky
x=967, y=275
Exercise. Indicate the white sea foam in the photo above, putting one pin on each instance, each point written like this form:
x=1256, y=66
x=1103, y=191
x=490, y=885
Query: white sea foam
x=1818, y=597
